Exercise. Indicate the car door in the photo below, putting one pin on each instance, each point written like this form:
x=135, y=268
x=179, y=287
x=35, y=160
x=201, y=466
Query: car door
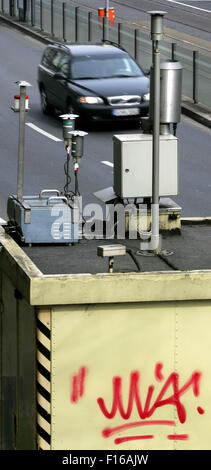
x=46, y=72
x=59, y=87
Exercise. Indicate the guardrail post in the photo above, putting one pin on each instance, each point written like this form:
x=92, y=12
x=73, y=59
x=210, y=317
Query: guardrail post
x=63, y=21
x=135, y=43
x=173, y=51
x=11, y=7
x=41, y=19
x=89, y=26
x=76, y=24
x=106, y=20
x=195, y=77
x=103, y=38
x=119, y=34
x=32, y=12
x=52, y=22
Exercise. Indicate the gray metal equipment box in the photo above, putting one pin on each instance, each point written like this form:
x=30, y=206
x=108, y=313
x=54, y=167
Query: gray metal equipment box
x=43, y=219
x=133, y=165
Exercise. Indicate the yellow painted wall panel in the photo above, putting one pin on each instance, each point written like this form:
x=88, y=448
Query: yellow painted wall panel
x=126, y=376
x=193, y=347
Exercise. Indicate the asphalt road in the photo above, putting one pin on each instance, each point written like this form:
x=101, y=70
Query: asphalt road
x=44, y=157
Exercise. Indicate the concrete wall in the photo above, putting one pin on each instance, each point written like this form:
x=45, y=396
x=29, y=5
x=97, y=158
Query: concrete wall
x=18, y=369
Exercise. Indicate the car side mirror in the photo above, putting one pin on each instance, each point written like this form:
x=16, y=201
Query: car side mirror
x=147, y=72
x=59, y=76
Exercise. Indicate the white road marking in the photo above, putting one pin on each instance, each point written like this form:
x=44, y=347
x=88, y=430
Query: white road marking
x=190, y=6
x=41, y=131
x=107, y=163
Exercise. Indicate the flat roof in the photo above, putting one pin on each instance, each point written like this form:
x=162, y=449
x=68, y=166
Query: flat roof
x=185, y=251
x=67, y=275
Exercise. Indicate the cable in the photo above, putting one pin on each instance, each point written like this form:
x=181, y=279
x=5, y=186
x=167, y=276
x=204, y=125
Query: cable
x=130, y=252
x=66, y=171
x=77, y=192
x=162, y=257
x=171, y=265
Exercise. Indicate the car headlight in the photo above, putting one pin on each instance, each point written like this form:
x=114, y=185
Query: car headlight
x=90, y=99
x=146, y=96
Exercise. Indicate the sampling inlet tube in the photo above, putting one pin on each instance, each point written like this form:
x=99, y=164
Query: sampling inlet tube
x=21, y=143
x=156, y=36
x=155, y=145
x=21, y=140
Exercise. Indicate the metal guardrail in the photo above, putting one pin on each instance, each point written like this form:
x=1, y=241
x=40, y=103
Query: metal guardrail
x=75, y=24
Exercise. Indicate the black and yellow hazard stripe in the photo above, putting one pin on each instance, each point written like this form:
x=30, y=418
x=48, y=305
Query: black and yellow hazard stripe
x=43, y=380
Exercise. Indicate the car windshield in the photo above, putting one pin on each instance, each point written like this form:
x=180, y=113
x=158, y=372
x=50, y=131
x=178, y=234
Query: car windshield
x=104, y=67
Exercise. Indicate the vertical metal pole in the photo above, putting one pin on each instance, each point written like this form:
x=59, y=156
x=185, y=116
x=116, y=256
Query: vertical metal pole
x=119, y=34
x=63, y=21
x=52, y=19
x=25, y=10
x=155, y=145
x=195, y=77
x=135, y=43
x=41, y=18
x=32, y=12
x=107, y=20
x=156, y=36
x=21, y=143
x=104, y=36
x=111, y=264
x=173, y=51
x=76, y=24
x=11, y=7
x=89, y=26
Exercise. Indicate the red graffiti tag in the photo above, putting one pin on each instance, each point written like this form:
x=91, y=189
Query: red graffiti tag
x=107, y=432
x=149, y=408
x=78, y=382
x=120, y=440
x=179, y=437
x=158, y=371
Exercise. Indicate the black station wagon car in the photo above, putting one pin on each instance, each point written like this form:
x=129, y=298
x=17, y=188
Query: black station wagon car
x=96, y=81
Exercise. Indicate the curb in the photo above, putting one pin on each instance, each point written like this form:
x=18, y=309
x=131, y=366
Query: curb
x=202, y=118
x=24, y=29
x=188, y=109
